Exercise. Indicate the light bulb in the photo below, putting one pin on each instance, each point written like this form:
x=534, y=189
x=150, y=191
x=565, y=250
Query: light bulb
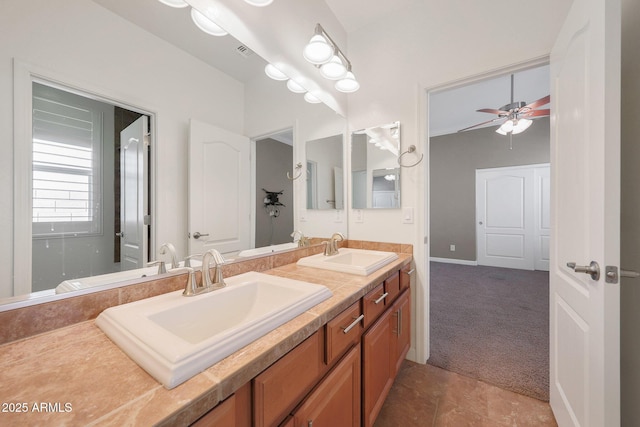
x=259, y=3
x=521, y=126
x=206, y=24
x=317, y=51
x=348, y=83
x=271, y=71
x=334, y=69
x=311, y=99
x=295, y=87
x=505, y=128
x=175, y=3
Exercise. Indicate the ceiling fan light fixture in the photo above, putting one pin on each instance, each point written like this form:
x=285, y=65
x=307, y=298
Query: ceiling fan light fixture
x=206, y=24
x=505, y=128
x=521, y=125
x=271, y=71
x=178, y=4
x=317, y=51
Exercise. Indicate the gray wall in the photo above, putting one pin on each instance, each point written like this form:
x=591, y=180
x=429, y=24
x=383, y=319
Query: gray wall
x=630, y=218
x=273, y=161
x=454, y=159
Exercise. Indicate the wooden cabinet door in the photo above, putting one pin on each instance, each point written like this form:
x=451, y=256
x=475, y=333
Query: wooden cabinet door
x=235, y=411
x=401, y=311
x=378, y=366
x=335, y=402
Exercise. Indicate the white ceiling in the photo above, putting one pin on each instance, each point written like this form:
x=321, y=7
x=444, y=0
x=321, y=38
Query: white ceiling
x=450, y=110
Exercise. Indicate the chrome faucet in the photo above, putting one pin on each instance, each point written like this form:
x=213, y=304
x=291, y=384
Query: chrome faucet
x=172, y=251
x=331, y=245
x=218, y=280
x=303, y=241
x=192, y=287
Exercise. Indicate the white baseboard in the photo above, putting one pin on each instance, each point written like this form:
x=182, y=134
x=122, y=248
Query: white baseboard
x=454, y=261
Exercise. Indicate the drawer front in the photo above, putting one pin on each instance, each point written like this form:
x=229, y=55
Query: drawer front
x=343, y=331
x=405, y=277
x=373, y=304
x=392, y=287
x=280, y=387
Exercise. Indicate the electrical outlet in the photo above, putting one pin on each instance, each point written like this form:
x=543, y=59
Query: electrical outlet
x=359, y=215
x=452, y=248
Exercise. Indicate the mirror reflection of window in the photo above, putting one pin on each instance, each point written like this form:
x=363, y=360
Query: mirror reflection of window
x=75, y=186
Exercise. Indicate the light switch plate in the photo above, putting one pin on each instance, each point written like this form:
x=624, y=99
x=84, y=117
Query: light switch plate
x=407, y=215
x=358, y=215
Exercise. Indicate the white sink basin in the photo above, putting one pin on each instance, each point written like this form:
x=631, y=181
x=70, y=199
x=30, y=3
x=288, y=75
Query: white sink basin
x=354, y=261
x=174, y=337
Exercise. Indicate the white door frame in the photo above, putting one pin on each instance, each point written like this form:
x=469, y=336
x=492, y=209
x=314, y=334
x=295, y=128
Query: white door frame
x=24, y=74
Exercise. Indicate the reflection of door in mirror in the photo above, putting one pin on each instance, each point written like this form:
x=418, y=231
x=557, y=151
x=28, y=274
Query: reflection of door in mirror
x=76, y=189
x=325, y=175
x=274, y=218
x=219, y=188
x=374, y=165
x=386, y=188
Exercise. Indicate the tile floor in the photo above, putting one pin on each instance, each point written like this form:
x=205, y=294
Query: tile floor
x=424, y=395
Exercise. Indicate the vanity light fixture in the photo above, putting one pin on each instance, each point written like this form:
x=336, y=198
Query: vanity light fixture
x=178, y=4
x=206, y=24
x=271, y=71
x=311, y=99
x=295, y=87
x=259, y=3
x=324, y=53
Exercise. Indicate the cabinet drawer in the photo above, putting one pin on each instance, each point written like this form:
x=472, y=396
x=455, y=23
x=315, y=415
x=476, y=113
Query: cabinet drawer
x=405, y=277
x=373, y=304
x=392, y=287
x=280, y=387
x=342, y=332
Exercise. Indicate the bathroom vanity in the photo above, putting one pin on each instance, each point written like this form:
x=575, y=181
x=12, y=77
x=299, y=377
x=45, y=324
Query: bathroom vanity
x=333, y=364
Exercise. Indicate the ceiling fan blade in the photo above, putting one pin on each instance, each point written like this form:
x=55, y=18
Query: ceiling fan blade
x=536, y=113
x=539, y=103
x=492, y=111
x=480, y=124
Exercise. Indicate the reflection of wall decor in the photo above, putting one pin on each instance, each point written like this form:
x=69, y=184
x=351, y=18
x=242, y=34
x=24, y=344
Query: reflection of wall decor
x=271, y=200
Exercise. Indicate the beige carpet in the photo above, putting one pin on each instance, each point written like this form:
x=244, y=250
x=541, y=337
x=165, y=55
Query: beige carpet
x=492, y=324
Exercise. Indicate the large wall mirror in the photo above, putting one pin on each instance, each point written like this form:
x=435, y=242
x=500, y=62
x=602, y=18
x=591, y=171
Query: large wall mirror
x=325, y=174
x=375, y=173
x=156, y=72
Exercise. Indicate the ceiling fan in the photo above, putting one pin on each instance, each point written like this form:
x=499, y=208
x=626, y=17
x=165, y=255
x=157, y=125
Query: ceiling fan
x=516, y=115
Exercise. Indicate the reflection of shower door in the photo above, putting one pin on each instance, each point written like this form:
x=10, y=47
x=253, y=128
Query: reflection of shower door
x=133, y=197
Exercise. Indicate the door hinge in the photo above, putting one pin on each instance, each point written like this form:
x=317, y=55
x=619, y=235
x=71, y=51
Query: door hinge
x=147, y=220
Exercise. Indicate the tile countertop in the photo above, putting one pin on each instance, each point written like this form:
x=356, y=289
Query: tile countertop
x=77, y=376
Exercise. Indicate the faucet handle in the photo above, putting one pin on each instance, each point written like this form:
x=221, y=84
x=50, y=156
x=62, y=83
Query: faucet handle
x=187, y=260
x=191, y=287
x=161, y=267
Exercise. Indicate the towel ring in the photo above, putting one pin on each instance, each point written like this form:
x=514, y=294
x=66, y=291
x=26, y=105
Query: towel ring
x=411, y=149
x=299, y=169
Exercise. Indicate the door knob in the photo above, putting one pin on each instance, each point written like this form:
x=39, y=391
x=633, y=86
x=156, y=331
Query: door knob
x=593, y=269
x=119, y=234
x=198, y=235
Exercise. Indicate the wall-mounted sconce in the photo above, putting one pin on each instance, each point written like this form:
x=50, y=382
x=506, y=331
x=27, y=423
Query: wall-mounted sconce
x=259, y=3
x=325, y=54
x=204, y=22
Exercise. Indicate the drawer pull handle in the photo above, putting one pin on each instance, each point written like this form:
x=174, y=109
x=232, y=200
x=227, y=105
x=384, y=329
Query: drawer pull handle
x=383, y=296
x=399, y=322
x=354, y=323
x=310, y=422
x=410, y=272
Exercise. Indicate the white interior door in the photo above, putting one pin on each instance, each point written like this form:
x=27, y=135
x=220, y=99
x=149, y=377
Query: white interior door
x=219, y=189
x=585, y=191
x=504, y=216
x=133, y=195
x=542, y=217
